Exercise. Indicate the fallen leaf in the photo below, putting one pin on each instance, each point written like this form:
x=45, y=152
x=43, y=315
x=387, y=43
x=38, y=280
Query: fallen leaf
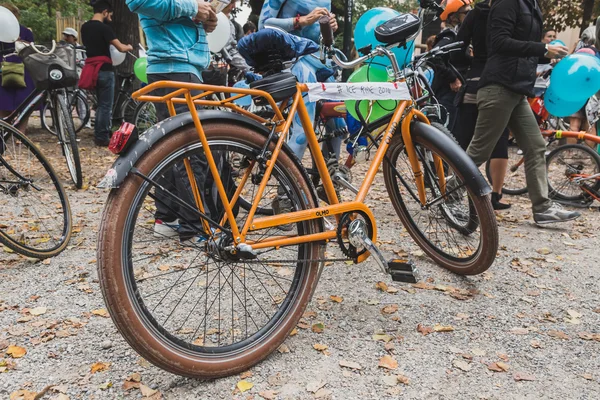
x=350, y=364
x=544, y=251
x=390, y=380
x=38, y=311
x=22, y=395
x=294, y=332
x=498, y=367
x=128, y=385
x=101, y=312
x=320, y=347
x=381, y=286
x=268, y=394
x=589, y=336
x=244, y=386
x=105, y=385
x=318, y=327
x=388, y=362
x=403, y=379
x=589, y=377
x=164, y=267
x=535, y=344
x=390, y=309
x=558, y=335
x=383, y=337
x=336, y=299
x=462, y=365
x=283, y=348
x=424, y=330
x=478, y=352
x=246, y=374
x=443, y=328
x=314, y=386
x=16, y=351
x=147, y=391
x=521, y=376
x=99, y=367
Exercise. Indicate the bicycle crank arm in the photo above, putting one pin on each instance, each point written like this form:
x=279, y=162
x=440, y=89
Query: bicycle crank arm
x=344, y=183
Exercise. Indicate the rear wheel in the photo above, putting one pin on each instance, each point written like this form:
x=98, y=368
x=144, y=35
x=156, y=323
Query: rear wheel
x=68, y=138
x=457, y=230
x=35, y=216
x=144, y=116
x=567, y=168
x=185, y=306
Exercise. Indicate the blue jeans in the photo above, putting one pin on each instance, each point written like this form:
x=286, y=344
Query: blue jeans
x=105, y=92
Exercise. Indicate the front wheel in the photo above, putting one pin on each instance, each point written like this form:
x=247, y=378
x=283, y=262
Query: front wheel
x=514, y=180
x=185, y=305
x=68, y=138
x=568, y=167
x=457, y=230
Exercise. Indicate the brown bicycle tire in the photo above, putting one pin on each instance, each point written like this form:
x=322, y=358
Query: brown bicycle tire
x=486, y=254
x=114, y=287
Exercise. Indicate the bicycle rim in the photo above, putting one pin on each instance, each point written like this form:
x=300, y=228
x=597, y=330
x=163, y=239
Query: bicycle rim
x=35, y=216
x=199, y=304
x=145, y=116
x=457, y=230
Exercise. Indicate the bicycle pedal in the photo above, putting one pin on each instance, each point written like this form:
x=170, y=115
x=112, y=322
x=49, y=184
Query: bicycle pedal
x=402, y=271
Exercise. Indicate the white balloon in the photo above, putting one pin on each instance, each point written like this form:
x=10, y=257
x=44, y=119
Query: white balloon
x=219, y=38
x=10, y=26
x=117, y=56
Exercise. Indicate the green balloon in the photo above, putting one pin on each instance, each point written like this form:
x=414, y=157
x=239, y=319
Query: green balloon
x=139, y=68
x=380, y=108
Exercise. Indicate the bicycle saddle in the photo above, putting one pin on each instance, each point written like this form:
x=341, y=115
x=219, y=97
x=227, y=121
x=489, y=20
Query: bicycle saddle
x=267, y=49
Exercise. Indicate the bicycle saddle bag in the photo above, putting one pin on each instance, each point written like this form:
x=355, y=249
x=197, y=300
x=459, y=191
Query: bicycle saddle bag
x=53, y=71
x=280, y=86
x=398, y=29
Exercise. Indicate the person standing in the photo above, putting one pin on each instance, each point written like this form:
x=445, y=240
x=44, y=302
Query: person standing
x=12, y=94
x=473, y=31
x=446, y=81
x=177, y=51
x=249, y=28
x=98, y=71
x=514, y=32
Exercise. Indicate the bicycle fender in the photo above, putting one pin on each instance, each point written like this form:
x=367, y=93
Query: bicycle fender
x=473, y=177
x=122, y=166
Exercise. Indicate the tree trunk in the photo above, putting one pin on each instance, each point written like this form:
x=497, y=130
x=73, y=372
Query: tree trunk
x=588, y=9
x=125, y=23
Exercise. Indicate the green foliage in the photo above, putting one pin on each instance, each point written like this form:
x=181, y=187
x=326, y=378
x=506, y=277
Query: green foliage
x=563, y=14
x=40, y=15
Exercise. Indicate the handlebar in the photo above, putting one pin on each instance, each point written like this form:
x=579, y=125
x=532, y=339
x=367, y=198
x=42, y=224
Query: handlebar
x=326, y=31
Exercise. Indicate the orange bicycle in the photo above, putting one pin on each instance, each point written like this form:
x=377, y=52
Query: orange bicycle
x=222, y=301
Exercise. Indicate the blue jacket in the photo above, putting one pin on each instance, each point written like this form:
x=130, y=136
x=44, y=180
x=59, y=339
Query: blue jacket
x=175, y=42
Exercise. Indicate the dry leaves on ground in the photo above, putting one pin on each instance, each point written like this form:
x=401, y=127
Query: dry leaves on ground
x=336, y=299
x=390, y=309
x=498, y=367
x=388, y=362
x=16, y=351
x=558, y=334
x=424, y=330
x=350, y=364
x=99, y=367
x=522, y=376
x=244, y=386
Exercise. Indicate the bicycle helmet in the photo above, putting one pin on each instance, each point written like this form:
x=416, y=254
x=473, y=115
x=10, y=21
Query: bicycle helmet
x=453, y=6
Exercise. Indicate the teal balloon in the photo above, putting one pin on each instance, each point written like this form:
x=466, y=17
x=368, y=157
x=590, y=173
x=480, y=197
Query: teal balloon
x=560, y=107
x=576, y=77
x=244, y=101
x=139, y=69
x=557, y=42
x=364, y=35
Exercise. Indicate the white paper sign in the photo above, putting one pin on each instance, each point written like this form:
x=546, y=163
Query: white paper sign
x=358, y=91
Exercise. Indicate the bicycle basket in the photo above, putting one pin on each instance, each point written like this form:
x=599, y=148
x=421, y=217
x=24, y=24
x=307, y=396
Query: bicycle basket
x=53, y=71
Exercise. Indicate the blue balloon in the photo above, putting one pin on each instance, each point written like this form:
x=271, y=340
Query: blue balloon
x=244, y=101
x=557, y=42
x=560, y=107
x=576, y=77
x=364, y=35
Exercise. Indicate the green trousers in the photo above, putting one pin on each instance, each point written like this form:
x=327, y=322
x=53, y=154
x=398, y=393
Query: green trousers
x=500, y=107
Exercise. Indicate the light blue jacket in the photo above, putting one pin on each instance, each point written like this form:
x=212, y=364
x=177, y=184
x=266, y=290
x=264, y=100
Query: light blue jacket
x=175, y=42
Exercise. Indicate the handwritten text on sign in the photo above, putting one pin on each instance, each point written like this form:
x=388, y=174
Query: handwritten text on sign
x=358, y=91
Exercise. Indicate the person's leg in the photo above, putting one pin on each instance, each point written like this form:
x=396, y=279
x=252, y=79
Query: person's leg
x=297, y=140
x=447, y=100
x=105, y=91
x=464, y=128
x=495, y=105
x=498, y=165
x=526, y=131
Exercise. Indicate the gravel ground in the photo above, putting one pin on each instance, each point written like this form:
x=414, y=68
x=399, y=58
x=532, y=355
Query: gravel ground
x=527, y=328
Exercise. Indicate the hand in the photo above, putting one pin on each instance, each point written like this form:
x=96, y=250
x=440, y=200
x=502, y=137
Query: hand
x=456, y=85
x=556, y=51
x=204, y=11
x=313, y=17
x=333, y=22
x=129, y=47
x=210, y=24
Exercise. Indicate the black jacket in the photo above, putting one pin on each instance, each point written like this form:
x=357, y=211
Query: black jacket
x=444, y=75
x=513, y=43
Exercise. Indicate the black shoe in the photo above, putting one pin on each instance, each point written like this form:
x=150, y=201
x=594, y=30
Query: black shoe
x=101, y=143
x=496, y=197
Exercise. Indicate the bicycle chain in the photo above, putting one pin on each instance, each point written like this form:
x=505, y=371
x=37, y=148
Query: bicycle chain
x=296, y=260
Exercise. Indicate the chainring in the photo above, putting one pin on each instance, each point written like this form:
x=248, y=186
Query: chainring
x=348, y=249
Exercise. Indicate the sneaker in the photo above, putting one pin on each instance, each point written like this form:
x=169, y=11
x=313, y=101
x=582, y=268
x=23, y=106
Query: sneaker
x=163, y=229
x=556, y=213
x=497, y=204
x=520, y=152
x=282, y=205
